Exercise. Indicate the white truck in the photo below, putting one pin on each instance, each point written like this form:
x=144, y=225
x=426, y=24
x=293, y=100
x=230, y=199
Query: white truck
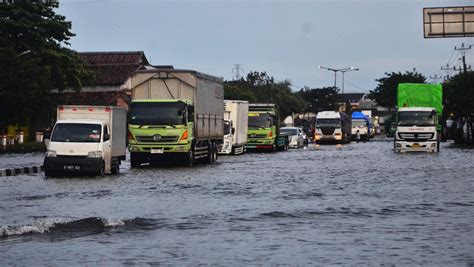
x=86, y=139
x=418, y=119
x=332, y=126
x=235, y=126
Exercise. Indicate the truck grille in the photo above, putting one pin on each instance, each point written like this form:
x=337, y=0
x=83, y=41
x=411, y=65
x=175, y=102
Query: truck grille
x=257, y=136
x=415, y=136
x=327, y=131
x=156, y=139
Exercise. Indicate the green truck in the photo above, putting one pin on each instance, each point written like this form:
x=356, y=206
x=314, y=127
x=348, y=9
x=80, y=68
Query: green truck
x=420, y=107
x=175, y=115
x=263, y=129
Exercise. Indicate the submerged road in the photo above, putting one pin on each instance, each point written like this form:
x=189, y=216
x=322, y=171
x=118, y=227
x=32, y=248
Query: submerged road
x=350, y=204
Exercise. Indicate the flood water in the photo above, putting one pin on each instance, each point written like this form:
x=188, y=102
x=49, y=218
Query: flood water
x=354, y=204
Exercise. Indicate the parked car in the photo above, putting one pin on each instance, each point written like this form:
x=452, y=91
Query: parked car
x=296, y=136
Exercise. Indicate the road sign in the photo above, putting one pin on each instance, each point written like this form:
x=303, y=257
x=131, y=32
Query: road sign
x=443, y=22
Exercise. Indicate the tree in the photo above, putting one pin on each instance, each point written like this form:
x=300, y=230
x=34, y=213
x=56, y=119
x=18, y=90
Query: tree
x=458, y=95
x=385, y=94
x=34, y=60
x=259, y=87
x=319, y=99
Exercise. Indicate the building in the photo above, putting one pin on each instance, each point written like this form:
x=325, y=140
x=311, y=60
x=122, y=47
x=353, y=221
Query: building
x=112, y=71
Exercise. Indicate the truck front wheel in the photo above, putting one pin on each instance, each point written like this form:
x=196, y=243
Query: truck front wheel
x=135, y=159
x=190, y=158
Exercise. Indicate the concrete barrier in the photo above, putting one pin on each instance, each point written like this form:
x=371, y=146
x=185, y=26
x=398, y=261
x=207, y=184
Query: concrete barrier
x=23, y=170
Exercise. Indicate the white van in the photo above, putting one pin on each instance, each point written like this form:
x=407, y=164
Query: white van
x=86, y=139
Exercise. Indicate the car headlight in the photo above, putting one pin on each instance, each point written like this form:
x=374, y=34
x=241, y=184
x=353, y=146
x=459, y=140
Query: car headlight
x=94, y=154
x=50, y=154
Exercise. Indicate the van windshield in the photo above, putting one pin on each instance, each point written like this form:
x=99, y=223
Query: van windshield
x=76, y=132
x=328, y=123
x=157, y=113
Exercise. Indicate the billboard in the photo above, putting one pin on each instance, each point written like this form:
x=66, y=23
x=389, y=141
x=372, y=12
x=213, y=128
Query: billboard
x=442, y=22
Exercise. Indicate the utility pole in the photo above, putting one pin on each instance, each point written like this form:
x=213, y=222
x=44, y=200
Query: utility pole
x=237, y=69
x=463, y=50
x=435, y=78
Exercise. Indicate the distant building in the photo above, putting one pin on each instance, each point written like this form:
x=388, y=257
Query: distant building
x=353, y=98
x=112, y=70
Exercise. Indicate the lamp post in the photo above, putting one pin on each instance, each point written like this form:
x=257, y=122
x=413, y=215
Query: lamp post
x=343, y=70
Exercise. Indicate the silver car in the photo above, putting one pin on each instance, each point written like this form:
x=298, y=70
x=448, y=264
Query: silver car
x=295, y=135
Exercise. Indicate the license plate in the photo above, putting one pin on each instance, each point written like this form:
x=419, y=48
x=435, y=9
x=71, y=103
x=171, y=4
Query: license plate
x=415, y=145
x=72, y=167
x=156, y=151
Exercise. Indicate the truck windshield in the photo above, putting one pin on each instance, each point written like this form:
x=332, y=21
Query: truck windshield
x=328, y=123
x=359, y=123
x=226, y=127
x=289, y=131
x=259, y=120
x=76, y=132
x=157, y=113
x=420, y=118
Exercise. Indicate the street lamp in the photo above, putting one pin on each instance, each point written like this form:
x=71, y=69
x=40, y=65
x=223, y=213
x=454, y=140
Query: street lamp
x=343, y=70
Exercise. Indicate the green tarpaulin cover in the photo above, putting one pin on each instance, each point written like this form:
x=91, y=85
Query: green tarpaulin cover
x=420, y=95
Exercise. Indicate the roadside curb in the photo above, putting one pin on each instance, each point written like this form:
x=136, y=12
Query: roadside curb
x=23, y=170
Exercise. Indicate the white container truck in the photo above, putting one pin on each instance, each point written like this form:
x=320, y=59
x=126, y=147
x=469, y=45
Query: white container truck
x=175, y=115
x=86, y=139
x=235, y=126
x=332, y=126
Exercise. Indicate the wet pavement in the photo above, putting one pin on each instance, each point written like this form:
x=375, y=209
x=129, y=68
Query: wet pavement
x=353, y=204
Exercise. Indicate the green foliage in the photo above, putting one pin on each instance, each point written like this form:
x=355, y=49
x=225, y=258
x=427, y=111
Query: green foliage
x=34, y=61
x=320, y=99
x=458, y=94
x=259, y=87
x=385, y=94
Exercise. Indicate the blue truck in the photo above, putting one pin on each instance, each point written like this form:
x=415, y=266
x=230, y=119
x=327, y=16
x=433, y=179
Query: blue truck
x=361, y=123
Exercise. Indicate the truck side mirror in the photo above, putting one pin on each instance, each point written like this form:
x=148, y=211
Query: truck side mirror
x=106, y=137
x=190, y=113
x=233, y=130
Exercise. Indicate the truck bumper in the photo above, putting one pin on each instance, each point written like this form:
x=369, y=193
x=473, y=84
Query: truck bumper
x=426, y=146
x=160, y=149
x=72, y=165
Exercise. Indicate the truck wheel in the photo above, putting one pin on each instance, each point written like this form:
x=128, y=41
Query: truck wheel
x=190, y=158
x=115, y=169
x=101, y=171
x=214, y=154
x=135, y=160
x=48, y=173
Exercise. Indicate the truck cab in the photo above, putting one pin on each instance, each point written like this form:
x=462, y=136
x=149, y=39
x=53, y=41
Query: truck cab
x=157, y=127
x=361, y=123
x=263, y=130
x=416, y=130
x=332, y=126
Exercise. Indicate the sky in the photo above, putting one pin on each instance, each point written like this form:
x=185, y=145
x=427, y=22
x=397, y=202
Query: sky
x=287, y=39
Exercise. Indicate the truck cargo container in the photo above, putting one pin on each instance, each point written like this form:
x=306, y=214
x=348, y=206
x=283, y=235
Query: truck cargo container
x=235, y=127
x=263, y=129
x=175, y=115
x=86, y=139
x=418, y=117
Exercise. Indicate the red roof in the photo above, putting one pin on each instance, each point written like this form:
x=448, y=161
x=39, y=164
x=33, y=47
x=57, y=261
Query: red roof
x=113, y=68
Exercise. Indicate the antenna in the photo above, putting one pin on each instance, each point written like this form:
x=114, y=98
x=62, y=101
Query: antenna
x=237, y=69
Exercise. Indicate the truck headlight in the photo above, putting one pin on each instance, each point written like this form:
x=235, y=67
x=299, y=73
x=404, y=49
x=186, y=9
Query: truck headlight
x=50, y=154
x=94, y=154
